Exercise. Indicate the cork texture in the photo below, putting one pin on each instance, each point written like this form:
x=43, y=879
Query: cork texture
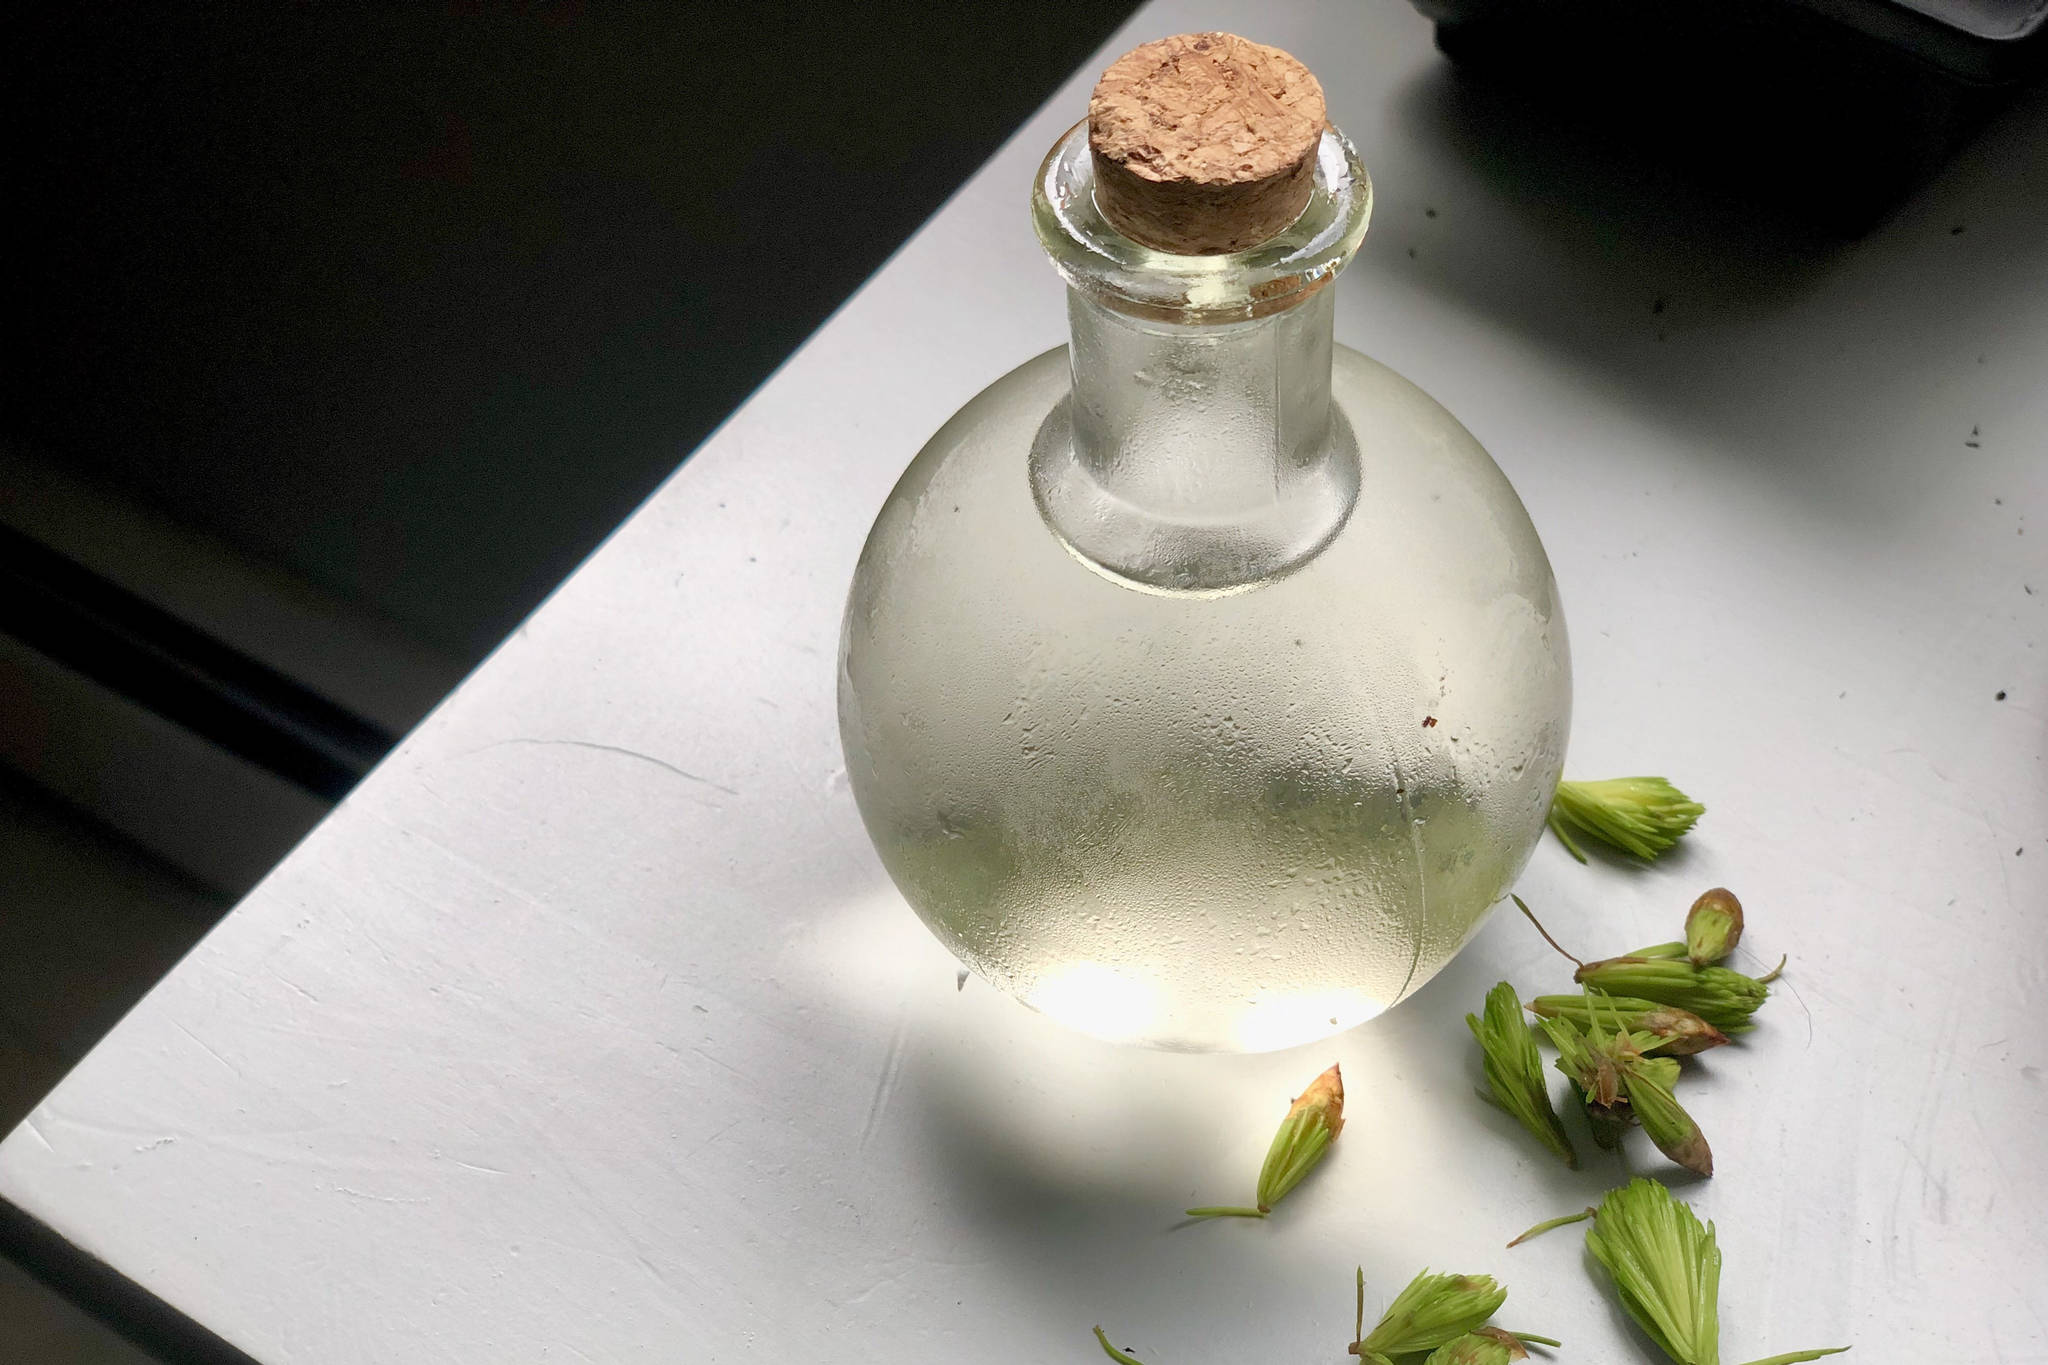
x=1204, y=142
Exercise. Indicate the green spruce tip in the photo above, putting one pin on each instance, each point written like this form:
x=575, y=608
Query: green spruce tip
x=1618, y=1084
x=1725, y=998
x=1431, y=1312
x=1713, y=926
x=1644, y=816
x=1670, y=1031
x=1649, y=1083
x=1514, y=1071
x=1665, y=1267
x=1312, y=1123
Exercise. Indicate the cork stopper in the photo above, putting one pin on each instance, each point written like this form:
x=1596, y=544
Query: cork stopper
x=1204, y=142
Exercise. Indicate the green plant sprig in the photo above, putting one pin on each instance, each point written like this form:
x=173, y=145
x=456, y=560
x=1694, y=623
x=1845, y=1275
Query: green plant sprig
x=1514, y=1071
x=1619, y=1084
x=1312, y=1123
x=1674, y=1032
x=1665, y=1267
x=1666, y=973
x=1432, y=1312
x=1640, y=815
x=1722, y=996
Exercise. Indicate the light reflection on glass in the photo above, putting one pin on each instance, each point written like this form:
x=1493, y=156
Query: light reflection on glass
x=1275, y=1022
x=1096, y=1000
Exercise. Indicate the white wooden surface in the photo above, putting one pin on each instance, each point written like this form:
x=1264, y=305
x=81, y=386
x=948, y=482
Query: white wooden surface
x=589, y=1029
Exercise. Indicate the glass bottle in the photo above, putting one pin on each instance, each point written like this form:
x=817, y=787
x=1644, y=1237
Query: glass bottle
x=1203, y=683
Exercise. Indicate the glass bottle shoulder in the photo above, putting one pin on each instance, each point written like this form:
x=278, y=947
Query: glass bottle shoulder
x=1435, y=514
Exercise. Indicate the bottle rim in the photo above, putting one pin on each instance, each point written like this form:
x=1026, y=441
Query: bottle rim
x=1280, y=272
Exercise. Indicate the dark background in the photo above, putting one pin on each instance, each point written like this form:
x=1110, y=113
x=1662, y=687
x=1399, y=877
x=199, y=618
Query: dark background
x=419, y=302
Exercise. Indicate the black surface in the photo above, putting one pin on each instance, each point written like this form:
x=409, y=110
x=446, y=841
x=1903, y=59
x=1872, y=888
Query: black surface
x=1833, y=110
x=129, y=1310
x=1985, y=42
x=420, y=301
x=102, y=632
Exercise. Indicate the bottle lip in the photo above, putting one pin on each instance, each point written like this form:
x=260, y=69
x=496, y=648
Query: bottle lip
x=1133, y=278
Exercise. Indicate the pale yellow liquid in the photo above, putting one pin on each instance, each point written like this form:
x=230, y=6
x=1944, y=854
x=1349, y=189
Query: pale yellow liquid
x=1206, y=821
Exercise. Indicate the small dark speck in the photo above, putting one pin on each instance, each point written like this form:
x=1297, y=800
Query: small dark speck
x=1999, y=697
x=956, y=507
x=1956, y=231
x=1840, y=695
x=960, y=980
x=1411, y=253
x=1333, y=1023
x=1429, y=213
x=2020, y=852
x=1974, y=445
x=750, y=559
x=700, y=1009
x=1297, y=643
x=2030, y=591
x=1995, y=502
x=1659, y=304
x=1429, y=722
x=1974, y=431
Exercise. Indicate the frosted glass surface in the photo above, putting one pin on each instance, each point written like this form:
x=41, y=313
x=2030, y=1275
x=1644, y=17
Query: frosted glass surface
x=1222, y=821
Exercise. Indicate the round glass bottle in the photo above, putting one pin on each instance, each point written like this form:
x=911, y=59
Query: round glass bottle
x=1203, y=683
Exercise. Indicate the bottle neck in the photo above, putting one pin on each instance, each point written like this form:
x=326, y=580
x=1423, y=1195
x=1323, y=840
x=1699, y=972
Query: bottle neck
x=1197, y=457
x=1198, y=449
x=1200, y=422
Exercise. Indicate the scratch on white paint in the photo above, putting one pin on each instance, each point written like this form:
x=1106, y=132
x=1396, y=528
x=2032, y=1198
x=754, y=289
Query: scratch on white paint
x=208, y=1050
x=663, y=764
x=885, y=1084
x=376, y=1198
x=660, y=1276
x=700, y=1052
x=289, y=982
x=887, y=1281
x=709, y=1140
x=1929, y=1180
